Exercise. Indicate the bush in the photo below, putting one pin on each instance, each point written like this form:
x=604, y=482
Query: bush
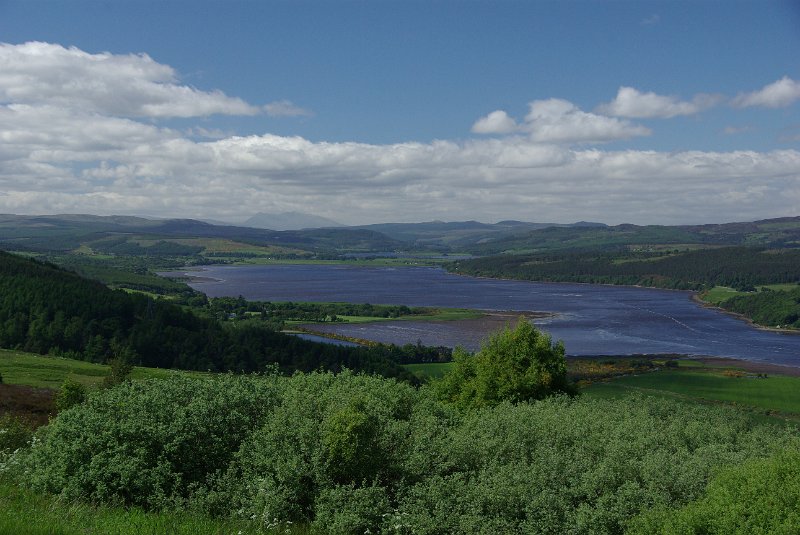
x=70, y=394
x=15, y=433
x=576, y=466
x=761, y=496
x=349, y=453
x=519, y=364
x=331, y=436
x=149, y=443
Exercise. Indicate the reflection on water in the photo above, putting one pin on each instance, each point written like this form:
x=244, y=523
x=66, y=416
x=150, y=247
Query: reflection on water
x=592, y=320
x=315, y=338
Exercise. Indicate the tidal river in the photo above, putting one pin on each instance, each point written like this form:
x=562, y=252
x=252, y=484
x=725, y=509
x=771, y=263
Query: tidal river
x=590, y=319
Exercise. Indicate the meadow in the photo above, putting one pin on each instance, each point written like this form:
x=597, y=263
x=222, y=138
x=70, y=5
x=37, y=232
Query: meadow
x=42, y=371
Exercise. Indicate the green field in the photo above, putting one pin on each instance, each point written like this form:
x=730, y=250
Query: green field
x=42, y=371
x=774, y=394
x=444, y=314
x=718, y=294
x=429, y=370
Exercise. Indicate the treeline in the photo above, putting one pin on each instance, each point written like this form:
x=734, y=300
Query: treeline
x=312, y=312
x=738, y=267
x=45, y=309
x=768, y=307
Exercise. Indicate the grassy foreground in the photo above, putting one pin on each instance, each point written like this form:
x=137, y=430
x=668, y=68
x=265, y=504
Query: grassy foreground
x=24, y=512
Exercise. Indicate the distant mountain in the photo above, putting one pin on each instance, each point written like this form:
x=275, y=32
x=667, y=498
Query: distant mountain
x=69, y=232
x=289, y=221
x=460, y=234
x=774, y=233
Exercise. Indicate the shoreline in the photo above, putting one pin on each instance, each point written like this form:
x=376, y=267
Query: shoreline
x=696, y=298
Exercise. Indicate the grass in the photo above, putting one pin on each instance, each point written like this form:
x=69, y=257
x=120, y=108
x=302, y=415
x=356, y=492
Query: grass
x=429, y=370
x=23, y=512
x=719, y=294
x=775, y=394
x=442, y=314
x=41, y=371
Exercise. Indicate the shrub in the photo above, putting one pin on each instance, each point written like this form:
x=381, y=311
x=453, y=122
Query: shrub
x=348, y=453
x=70, y=394
x=149, y=443
x=519, y=364
x=331, y=436
x=576, y=466
x=761, y=496
x=15, y=433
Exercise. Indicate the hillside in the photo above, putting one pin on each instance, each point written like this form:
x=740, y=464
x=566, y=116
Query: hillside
x=136, y=236
x=738, y=267
x=775, y=233
x=45, y=309
x=460, y=234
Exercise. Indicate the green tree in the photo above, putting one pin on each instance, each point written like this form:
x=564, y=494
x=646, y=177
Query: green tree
x=515, y=365
x=70, y=394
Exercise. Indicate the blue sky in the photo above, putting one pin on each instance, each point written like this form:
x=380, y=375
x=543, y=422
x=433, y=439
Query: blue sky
x=644, y=112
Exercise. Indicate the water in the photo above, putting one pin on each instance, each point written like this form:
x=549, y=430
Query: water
x=334, y=341
x=590, y=319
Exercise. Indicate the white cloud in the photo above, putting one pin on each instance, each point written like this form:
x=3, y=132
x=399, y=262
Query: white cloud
x=285, y=108
x=559, y=121
x=778, y=94
x=497, y=122
x=123, y=85
x=632, y=103
x=63, y=153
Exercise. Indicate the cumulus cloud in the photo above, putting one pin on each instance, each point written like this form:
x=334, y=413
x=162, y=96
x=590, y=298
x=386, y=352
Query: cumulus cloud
x=632, y=103
x=123, y=85
x=61, y=152
x=778, y=94
x=285, y=108
x=497, y=122
x=559, y=121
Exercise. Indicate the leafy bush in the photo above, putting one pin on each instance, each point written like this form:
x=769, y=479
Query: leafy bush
x=150, y=443
x=515, y=365
x=331, y=437
x=761, y=496
x=576, y=466
x=349, y=453
x=70, y=394
x=15, y=433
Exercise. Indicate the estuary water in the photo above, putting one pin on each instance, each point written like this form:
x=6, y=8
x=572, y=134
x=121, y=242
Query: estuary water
x=590, y=319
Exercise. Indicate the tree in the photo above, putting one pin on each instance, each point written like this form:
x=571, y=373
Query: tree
x=120, y=366
x=70, y=394
x=515, y=365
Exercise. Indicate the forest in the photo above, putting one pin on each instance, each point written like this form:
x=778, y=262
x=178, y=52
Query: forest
x=772, y=308
x=45, y=309
x=738, y=267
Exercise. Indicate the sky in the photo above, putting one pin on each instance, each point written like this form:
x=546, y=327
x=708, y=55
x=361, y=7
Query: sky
x=645, y=112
